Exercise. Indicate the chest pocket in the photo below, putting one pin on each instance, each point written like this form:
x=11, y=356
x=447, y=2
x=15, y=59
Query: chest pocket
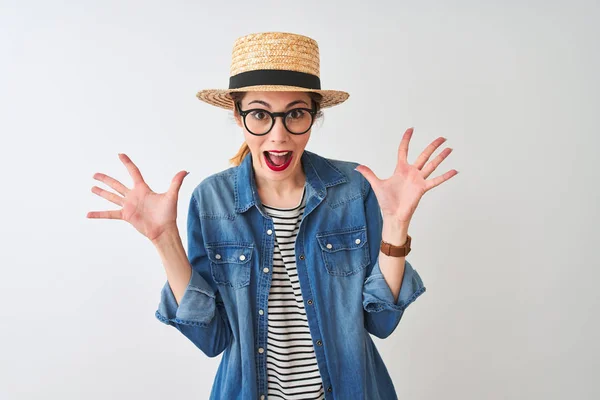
x=345, y=252
x=230, y=264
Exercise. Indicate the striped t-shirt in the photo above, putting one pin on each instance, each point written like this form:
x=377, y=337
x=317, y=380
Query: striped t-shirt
x=291, y=363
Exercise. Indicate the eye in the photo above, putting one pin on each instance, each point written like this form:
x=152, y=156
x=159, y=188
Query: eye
x=296, y=113
x=259, y=115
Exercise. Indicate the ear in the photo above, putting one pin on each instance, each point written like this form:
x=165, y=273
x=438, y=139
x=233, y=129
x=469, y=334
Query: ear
x=237, y=117
x=238, y=120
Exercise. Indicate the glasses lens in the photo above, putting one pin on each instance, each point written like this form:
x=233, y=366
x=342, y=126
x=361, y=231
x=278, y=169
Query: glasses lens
x=298, y=120
x=258, y=122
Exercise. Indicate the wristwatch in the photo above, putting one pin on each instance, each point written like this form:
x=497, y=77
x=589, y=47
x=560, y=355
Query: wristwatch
x=396, y=251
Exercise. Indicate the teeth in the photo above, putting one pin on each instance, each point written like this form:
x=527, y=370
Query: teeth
x=278, y=154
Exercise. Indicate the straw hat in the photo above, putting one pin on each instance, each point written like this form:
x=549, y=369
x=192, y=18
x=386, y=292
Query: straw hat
x=273, y=61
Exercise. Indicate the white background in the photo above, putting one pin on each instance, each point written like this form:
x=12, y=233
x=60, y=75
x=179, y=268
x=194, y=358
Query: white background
x=507, y=248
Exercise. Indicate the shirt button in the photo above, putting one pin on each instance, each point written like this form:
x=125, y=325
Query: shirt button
x=302, y=256
x=310, y=302
x=218, y=256
x=357, y=241
x=262, y=397
x=329, y=389
x=266, y=270
x=319, y=343
x=329, y=246
x=261, y=312
x=261, y=350
x=269, y=232
x=242, y=257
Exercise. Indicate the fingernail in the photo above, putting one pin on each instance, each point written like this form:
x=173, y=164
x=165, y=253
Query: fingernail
x=187, y=173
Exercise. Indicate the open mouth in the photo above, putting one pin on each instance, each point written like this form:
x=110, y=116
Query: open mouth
x=278, y=161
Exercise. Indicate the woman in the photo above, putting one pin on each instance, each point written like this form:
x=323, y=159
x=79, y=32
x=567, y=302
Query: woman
x=293, y=258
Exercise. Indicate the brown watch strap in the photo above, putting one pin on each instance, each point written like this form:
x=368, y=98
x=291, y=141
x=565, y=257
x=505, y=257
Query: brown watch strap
x=396, y=251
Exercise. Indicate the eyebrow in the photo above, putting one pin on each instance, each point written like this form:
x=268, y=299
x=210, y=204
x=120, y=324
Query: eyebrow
x=264, y=103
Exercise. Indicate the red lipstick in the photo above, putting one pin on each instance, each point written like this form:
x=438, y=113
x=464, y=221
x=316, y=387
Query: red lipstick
x=274, y=167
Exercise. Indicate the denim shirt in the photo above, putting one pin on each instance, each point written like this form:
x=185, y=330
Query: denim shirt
x=230, y=248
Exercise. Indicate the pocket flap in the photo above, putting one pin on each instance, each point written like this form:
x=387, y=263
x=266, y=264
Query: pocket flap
x=229, y=253
x=347, y=239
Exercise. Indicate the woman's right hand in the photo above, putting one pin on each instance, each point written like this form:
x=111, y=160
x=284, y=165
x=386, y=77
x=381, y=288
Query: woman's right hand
x=149, y=212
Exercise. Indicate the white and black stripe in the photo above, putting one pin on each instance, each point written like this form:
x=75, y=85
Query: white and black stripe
x=291, y=363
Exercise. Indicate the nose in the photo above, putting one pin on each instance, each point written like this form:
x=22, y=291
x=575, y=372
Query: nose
x=278, y=132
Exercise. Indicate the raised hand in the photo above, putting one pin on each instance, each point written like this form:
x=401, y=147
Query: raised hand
x=149, y=212
x=399, y=195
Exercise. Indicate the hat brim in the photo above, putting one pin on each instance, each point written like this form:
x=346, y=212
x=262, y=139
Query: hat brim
x=221, y=98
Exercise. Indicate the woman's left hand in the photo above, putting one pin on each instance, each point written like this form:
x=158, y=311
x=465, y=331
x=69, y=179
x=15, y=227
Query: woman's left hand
x=399, y=195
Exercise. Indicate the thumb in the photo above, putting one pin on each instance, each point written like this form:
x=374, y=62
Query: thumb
x=368, y=174
x=177, y=181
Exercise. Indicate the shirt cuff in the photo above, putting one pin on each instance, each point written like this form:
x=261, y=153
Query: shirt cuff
x=197, y=305
x=378, y=295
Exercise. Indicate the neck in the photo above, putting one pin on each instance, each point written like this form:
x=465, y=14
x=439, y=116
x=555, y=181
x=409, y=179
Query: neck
x=281, y=187
x=280, y=191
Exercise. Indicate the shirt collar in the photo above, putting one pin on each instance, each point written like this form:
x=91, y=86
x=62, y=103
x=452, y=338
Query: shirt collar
x=320, y=174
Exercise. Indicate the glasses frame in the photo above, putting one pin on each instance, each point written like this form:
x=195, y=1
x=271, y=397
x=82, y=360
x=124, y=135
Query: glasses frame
x=311, y=111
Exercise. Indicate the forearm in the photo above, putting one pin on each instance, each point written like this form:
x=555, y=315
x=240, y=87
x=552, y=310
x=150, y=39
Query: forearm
x=175, y=260
x=392, y=268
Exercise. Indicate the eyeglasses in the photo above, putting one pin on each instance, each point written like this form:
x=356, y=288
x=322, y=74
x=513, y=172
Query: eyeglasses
x=259, y=122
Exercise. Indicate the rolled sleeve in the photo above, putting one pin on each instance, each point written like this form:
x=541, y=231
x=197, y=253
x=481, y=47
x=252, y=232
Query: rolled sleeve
x=378, y=296
x=197, y=304
x=382, y=313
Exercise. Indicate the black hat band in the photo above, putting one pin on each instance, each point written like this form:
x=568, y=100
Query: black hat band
x=275, y=77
